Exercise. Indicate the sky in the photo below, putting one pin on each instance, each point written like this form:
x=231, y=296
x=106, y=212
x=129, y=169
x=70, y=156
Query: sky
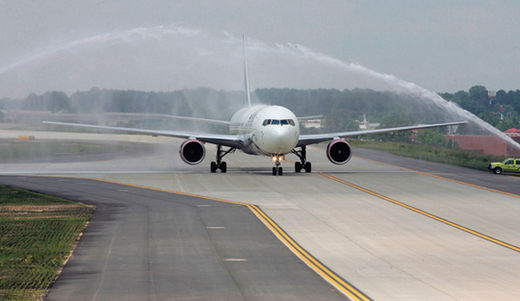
x=443, y=46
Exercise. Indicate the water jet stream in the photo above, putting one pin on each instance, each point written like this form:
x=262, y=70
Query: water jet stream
x=217, y=46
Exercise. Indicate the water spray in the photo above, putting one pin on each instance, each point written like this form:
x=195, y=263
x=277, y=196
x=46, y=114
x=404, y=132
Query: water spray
x=230, y=45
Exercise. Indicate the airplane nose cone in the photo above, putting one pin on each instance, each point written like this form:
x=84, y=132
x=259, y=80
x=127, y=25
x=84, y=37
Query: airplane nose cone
x=278, y=140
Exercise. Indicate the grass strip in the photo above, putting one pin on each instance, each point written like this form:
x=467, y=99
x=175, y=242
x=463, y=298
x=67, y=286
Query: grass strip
x=37, y=233
x=13, y=149
x=431, y=153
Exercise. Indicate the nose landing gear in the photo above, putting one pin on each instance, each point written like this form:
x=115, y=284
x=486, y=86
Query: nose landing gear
x=303, y=164
x=277, y=170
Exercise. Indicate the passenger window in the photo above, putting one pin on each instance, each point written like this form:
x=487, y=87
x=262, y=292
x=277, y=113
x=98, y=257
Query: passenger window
x=517, y=162
x=291, y=122
x=266, y=122
x=509, y=162
x=275, y=121
x=285, y=122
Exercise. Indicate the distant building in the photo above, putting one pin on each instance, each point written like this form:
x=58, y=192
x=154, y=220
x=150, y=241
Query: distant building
x=512, y=132
x=492, y=96
x=365, y=125
x=489, y=145
x=311, y=123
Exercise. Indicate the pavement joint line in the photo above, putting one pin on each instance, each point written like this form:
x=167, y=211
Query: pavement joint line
x=170, y=191
x=338, y=282
x=424, y=213
x=440, y=177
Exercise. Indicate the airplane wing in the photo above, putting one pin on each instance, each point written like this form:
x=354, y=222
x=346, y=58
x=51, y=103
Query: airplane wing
x=227, y=140
x=317, y=138
x=206, y=120
x=213, y=121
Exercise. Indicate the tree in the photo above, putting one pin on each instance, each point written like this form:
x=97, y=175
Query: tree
x=395, y=119
x=490, y=117
x=56, y=101
x=433, y=137
x=506, y=124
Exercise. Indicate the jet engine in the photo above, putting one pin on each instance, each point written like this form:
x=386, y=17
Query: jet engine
x=192, y=151
x=339, y=151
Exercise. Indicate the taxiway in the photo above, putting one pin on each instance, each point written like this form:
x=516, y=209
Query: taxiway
x=394, y=228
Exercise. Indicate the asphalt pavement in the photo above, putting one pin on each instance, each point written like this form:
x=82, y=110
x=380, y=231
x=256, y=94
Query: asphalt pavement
x=150, y=245
x=505, y=182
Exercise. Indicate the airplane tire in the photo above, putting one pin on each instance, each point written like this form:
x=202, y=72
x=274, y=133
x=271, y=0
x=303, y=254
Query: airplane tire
x=280, y=171
x=274, y=171
x=213, y=166
x=308, y=167
x=297, y=166
x=223, y=167
x=497, y=170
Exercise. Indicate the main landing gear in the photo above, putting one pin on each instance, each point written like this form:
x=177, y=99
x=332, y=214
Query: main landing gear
x=220, y=164
x=277, y=170
x=303, y=164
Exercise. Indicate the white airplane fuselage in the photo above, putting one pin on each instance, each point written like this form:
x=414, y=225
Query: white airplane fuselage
x=267, y=130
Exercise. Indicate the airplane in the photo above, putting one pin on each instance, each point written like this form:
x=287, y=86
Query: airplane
x=267, y=130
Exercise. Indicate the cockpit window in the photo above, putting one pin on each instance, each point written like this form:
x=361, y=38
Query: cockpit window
x=278, y=122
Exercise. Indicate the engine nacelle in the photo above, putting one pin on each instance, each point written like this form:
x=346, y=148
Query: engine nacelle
x=339, y=151
x=192, y=151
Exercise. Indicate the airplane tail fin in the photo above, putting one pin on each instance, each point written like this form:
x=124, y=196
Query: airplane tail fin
x=246, y=77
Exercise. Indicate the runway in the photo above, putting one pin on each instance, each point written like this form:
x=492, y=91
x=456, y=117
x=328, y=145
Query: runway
x=355, y=218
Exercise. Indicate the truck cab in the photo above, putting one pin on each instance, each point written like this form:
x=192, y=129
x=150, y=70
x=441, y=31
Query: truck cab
x=508, y=165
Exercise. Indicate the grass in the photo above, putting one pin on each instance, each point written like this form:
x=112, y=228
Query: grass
x=17, y=150
x=52, y=128
x=431, y=153
x=37, y=233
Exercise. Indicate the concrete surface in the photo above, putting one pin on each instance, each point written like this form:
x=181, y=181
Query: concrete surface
x=387, y=251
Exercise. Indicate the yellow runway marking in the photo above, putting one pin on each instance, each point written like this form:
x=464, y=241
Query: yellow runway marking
x=342, y=285
x=437, y=218
x=348, y=289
